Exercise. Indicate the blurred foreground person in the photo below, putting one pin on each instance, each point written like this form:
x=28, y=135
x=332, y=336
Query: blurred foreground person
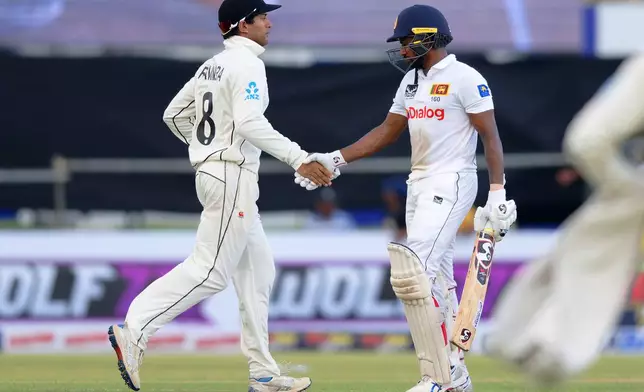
x=219, y=114
x=556, y=317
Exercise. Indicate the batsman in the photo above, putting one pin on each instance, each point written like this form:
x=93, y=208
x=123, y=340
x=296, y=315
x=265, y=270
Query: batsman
x=445, y=104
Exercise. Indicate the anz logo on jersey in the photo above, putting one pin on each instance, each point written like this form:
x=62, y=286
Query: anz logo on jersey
x=425, y=112
x=252, y=92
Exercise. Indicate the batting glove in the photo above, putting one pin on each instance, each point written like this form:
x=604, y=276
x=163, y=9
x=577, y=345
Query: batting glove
x=330, y=160
x=306, y=183
x=500, y=213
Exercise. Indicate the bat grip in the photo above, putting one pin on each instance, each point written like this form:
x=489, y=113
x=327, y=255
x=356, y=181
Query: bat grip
x=488, y=228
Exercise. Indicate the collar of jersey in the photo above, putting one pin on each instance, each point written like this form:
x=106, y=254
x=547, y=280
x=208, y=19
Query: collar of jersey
x=444, y=63
x=243, y=42
x=449, y=59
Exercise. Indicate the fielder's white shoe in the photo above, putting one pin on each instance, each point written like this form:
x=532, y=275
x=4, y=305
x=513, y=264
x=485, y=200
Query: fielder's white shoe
x=128, y=354
x=280, y=383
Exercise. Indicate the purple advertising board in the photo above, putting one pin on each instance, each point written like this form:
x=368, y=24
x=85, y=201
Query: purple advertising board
x=306, y=295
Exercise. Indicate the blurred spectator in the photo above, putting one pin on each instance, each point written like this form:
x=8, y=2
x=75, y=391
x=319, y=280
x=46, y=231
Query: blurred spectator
x=633, y=151
x=571, y=191
x=327, y=214
x=566, y=177
x=637, y=298
x=467, y=226
x=394, y=195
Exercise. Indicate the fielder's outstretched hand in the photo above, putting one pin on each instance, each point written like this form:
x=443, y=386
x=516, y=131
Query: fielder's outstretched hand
x=331, y=161
x=315, y=173
x=308, y=184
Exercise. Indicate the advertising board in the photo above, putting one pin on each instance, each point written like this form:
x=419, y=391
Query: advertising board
x=60, y=290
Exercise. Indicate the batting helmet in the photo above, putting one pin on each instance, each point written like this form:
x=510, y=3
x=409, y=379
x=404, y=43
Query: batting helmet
x=429, y=30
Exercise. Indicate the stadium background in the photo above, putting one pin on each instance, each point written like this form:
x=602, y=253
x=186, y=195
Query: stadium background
x=97, y=196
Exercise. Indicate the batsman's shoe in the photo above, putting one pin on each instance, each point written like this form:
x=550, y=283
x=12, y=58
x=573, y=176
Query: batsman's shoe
x=426, y=384
x=280, y=383
x=128, y=354
x=461, y=381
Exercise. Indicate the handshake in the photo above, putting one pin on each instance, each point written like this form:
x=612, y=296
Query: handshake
x=319, y=169
x=498, y=214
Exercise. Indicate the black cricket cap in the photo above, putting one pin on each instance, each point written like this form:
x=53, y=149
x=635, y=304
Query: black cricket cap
x=231, y=12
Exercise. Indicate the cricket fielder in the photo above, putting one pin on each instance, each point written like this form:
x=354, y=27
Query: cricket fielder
x=219, y=114
x=556, y=317
x=444, y=103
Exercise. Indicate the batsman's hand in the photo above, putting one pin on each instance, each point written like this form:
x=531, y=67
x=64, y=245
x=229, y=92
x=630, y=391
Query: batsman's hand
x=498, y=213
x=331, y=160
x=316, y=173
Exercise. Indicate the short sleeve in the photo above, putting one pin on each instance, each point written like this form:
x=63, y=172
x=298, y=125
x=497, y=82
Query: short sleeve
x=406, y=88
x=398, y=107
x=475, y=94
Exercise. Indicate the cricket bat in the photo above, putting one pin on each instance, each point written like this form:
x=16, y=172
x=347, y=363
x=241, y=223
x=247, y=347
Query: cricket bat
x=474, y=290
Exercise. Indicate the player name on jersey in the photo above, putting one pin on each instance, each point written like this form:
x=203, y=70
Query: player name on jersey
x=210, y=72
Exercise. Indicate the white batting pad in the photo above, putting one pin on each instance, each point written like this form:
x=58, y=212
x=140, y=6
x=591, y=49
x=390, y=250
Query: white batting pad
x=426, y=325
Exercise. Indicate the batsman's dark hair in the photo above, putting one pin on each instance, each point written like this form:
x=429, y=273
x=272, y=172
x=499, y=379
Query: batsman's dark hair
x=442, y=40
x=250, y=19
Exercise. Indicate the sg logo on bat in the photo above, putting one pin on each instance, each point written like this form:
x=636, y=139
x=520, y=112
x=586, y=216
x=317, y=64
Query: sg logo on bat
x=484, y=253
x=466, y=334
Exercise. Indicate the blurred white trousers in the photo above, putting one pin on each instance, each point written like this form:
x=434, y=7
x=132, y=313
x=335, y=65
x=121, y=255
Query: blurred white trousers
x=555, y=318
x=230, y=244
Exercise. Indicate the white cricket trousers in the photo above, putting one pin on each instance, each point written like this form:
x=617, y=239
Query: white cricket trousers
x=436, y=207
x=230, y=244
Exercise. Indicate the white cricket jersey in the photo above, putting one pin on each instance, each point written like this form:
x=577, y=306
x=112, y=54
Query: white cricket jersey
x=219, y=112
x=443, y=140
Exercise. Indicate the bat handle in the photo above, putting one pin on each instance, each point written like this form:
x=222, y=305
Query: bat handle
x=488, y=228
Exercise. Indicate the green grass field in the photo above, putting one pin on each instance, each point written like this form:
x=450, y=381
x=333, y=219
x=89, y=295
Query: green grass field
x=366, y=372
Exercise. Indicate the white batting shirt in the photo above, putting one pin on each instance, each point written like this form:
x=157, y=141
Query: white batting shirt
x=443, y=140
x=219, y=112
